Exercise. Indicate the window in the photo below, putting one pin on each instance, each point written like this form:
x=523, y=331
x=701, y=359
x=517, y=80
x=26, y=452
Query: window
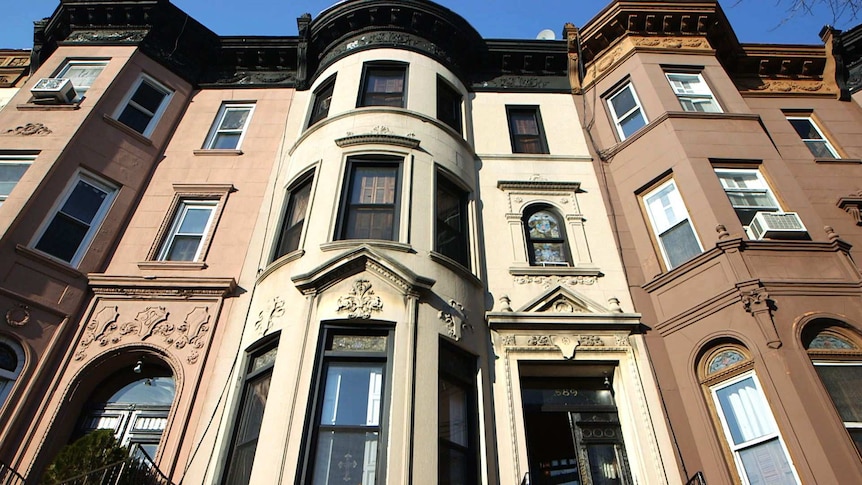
x=748, y=192
x=751, y=433
x=451, y=227
x=12, y=168
x=349, y=423
x=457, y=412
x=383, y=85
x=229, y=128
x=546, y=237
x=322, y=99
x=144, y=105
x=671, y=225
x=572, y=429
x=255, y=389
x=692, y=92
x=626, y=111
x=75, y=220
x=371, y=208
x=191, y=224
x=294, y=217
x=814, y=139
x=837, y=358
x=448, y=105
x=82, y=74
x=525, y=130
x=11, y=363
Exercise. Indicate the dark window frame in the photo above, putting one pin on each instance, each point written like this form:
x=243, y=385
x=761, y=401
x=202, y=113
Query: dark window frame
x=369, y=69
x=449, y=102
x=285, y=233
x=349, y=208
x=523, y=142
x=322, y=101
x=460, y=251
x=459, y=368
x=529, y=211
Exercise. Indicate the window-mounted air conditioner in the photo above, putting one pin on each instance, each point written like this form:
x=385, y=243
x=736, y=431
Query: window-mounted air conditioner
x=57, y=89
x=777, y=225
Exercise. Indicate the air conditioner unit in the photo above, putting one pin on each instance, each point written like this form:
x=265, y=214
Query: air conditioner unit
x=58, y=89
x=777, y=225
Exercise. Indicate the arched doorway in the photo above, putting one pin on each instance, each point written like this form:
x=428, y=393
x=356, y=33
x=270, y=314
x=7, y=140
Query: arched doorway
x=134, y=402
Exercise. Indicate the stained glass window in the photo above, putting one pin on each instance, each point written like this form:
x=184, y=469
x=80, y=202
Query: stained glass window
x=724, y=359
x=546, y=240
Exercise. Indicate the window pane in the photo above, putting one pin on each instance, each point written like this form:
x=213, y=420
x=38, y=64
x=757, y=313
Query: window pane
x=623, y=102
x=453, y=467
x=248, y=426
x=844, y=384
x=805, y=129
x=148, y=97
x=8, y=358
x=183, y=248
x=544, y=225
x=766, y=463
x=604, y=466
x=680, y=244
x=195, y=220
x=359, y=343
x=453, y=417
x=84, y=202
x=62, y=237
x=226, y=141
x=234, y=118
x=370, y=223
x=374, y=185
x=819, y=149
x=346, y=457
x=632, y=123
x=135, y=118
x=352, y=395
x=523, y=122
x=549, y=253
x=10, y=174
x=745, y=411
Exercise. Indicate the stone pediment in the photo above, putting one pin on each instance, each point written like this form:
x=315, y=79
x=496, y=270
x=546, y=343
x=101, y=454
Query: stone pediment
x=563, y=300
x=358, y=260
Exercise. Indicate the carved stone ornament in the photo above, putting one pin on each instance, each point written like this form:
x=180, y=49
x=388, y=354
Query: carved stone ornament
x=455, y=318
x=18, y=316
x=672, y=42
x=274, y=309
x=361, y=301
x=149, y=323
x=387, y=38
x=566, y=344
x=30, y=129
x=508, y=340
x=779, y=86
x=540, y=341
x=548, y=281
x=86, y=36
x=852, y=204
x=759, y=305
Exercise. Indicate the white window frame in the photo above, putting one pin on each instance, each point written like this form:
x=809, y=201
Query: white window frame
x=179, y=217
x=677, y=204
x=81, y=89
x=736, y=449
x=110, y=193
x=217, y=129
x=762, y=188
x=697, y=93
x=14, y=160
x=823, y=139
x=8, y=378
x=154, y=115
x=618, y=118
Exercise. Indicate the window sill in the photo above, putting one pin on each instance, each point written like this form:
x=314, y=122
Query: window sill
x=278, y=263
x=212, y=152
x=553, y=271
x=455, y=266
x=377, y=243
x=838, y=160
x=49, y=107
x=125, y=129
x=173, y=265
x=47, y=260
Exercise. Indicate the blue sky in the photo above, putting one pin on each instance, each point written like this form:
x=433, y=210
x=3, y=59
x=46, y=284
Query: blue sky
x=753, y=20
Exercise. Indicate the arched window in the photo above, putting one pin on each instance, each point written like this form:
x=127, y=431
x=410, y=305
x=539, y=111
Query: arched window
x=546, y=237
x=837, y=358
x=745, y=417
x=11, y=363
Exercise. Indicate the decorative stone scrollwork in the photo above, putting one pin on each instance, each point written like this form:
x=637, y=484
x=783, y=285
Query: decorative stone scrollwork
x=30, y=129
x=18, y=316
x=361, y=301
x=265, y=318
x=540, y=341
x=759, y=305
x=455, y=318
x=508, y=340
x=852, y=204
x=548, y=281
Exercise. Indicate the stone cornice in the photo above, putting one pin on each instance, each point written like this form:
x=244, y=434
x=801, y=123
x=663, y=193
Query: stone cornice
x=161, y=286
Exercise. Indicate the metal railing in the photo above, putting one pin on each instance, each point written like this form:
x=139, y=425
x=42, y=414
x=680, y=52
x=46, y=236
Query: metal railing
x=137, y=469
x=697, y=479
x=9, y=476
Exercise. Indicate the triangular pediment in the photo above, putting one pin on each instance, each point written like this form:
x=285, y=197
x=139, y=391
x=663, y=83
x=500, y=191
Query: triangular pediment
x=360, y=259
x=562, y=300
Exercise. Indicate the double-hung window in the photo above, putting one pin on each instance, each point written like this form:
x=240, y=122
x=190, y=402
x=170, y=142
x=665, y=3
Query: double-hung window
x=322, y=99
x=383, y=85
x=457, y=411
x=693, y=92
x=813, y=137
x=671, y=224
x=546, y=237
x=748, y=192
x=525, y=129
x=144, y=105
x=626, y=111
x=371, y=205
x=451, y=230
x=448, y=105
x=11, y=363
x=349, y=422
x=258, y=378
x=190, y=226
x=12, y=168
x=751, y=432
x=74, y=221
x=82, y=74
x=229, y=127
x=294, y=217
